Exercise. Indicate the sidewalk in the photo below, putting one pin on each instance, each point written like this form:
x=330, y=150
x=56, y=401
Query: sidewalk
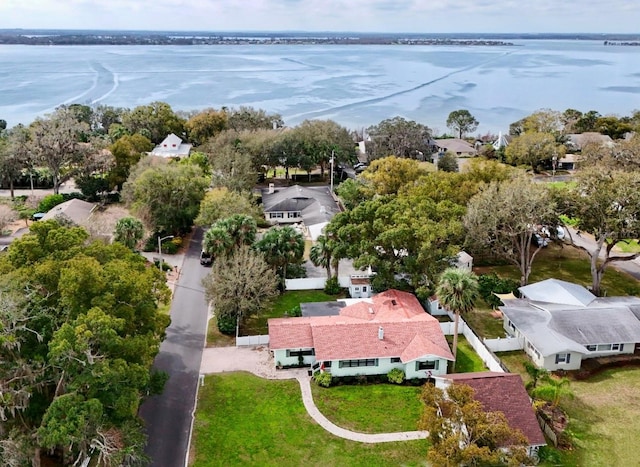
x=258, y=360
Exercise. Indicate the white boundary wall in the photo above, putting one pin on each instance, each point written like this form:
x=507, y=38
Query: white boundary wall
x=252, y=340
x=504, y=344
x=483, y=352
x=313, y=283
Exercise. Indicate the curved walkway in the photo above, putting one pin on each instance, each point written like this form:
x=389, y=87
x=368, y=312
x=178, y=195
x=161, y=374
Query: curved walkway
x=257, y=360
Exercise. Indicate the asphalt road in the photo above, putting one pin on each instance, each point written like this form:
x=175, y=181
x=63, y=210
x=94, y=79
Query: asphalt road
x=168, y=416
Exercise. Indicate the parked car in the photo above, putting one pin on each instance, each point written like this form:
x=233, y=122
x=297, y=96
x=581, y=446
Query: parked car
x=205, y=258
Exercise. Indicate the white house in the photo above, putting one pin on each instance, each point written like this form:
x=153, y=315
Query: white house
x=75, y=210
x=172, y=146
x=390, y=330
x=563, y=323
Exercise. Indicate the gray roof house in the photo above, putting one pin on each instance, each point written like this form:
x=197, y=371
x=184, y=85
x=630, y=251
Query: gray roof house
x=563, y=323
x=172, y=146
x=578, y=140
x=74, y=210
x=456, y=146
x=313, y=207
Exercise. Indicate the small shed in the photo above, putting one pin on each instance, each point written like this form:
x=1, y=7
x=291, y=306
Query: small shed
x=360, y=286
x=464, y=261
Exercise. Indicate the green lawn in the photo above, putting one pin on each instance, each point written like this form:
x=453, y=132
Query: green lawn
x=631, y=246
x=604, y=416
x=467, y=360
x=483, y=323
x=370, y=408
x=571, y=265
x=245, y=420
x=257, y=325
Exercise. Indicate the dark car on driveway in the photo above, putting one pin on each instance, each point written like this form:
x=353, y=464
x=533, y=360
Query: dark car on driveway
x=205, y=258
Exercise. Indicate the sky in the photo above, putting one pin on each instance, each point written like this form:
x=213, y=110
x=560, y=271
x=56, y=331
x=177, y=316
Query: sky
x=417, y=16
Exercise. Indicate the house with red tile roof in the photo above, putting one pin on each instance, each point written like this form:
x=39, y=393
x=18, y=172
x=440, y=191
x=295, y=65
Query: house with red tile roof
x=502, y=392
x=390, y=330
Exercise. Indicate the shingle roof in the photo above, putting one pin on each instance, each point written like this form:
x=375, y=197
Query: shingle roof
x=75, y=210
x=408, y=331
x=455, y=145
x=567, y=317
x=316, y=204
x=504, y=392
x=557, y=291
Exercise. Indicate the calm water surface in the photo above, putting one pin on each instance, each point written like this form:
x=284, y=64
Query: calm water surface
x=354, y=85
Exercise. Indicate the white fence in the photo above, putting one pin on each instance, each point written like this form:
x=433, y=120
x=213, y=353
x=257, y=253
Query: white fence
x=252, y=340
x=481, y=349
x=313, y=283
x=505, y=344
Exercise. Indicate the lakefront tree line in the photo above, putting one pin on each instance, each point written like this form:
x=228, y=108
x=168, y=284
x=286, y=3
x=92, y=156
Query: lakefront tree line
x=80, y=318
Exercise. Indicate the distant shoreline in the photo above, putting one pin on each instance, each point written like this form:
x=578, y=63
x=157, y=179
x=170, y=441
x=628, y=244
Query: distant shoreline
x=98, y=37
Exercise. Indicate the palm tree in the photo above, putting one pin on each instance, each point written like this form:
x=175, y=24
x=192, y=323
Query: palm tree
x=128, y=231
x=457, y=291
x=553, y=389
x=282, y=246
x=242, y=229
x=320, y=254
x=217, y=241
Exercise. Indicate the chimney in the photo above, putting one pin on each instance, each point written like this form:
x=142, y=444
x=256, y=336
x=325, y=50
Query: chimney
x=271, y=188
x=380, y=333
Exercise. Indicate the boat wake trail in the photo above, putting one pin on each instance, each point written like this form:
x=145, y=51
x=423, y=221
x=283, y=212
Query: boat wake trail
x=375, y=100
x=108, y=83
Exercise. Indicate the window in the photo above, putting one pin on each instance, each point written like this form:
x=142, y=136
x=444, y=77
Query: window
x=431, y=365
x=356, y=288
x=297, y=353
x=293, y=215
x=395, y=359
x=618, y=347
x=276, y=215
x=364, y=288
x=592, y=348
x=327, y=364
x=511, y=326
x=604, y=347
x=533, y=349
x=563, y=358
x=356, y=363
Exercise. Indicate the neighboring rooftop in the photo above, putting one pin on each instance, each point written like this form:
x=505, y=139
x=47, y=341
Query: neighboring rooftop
x=504, y=392
x=455, y=145
x=557, y=291
x=74, y=210
x=172, y=146
x=579, y=140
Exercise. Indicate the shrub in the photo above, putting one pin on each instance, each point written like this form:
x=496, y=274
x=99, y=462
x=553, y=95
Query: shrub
x=296, y=271
x=396, y=376
x=490, y=284
x=226, y=324
x=49, y=202
x=323, y=379
x=332, y=286
x=294, y=312
x=172, y=247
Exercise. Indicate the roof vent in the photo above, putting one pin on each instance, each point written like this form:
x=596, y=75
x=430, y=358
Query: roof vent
x=380, y=333
x=272, y=188
x=394, y=303
x=371, y=310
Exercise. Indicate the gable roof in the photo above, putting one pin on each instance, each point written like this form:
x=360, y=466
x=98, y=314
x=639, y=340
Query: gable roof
x=172, y=146
x=408, y=331
x=578, y=140
x=557, y=291
x=504, y=392
x=316, y=204
x=75, y=210
x=455, y=145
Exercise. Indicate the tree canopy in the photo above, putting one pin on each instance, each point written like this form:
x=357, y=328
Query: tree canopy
x=462, y=122
x=399, y=137
x=504, y=217
x=79, y=329
x=462, y=433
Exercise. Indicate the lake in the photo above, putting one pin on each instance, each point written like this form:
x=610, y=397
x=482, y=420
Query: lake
x=356, y=86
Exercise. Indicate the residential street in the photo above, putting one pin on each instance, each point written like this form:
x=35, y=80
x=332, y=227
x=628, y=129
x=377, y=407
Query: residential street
x=168, y=416
x=630, y=267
